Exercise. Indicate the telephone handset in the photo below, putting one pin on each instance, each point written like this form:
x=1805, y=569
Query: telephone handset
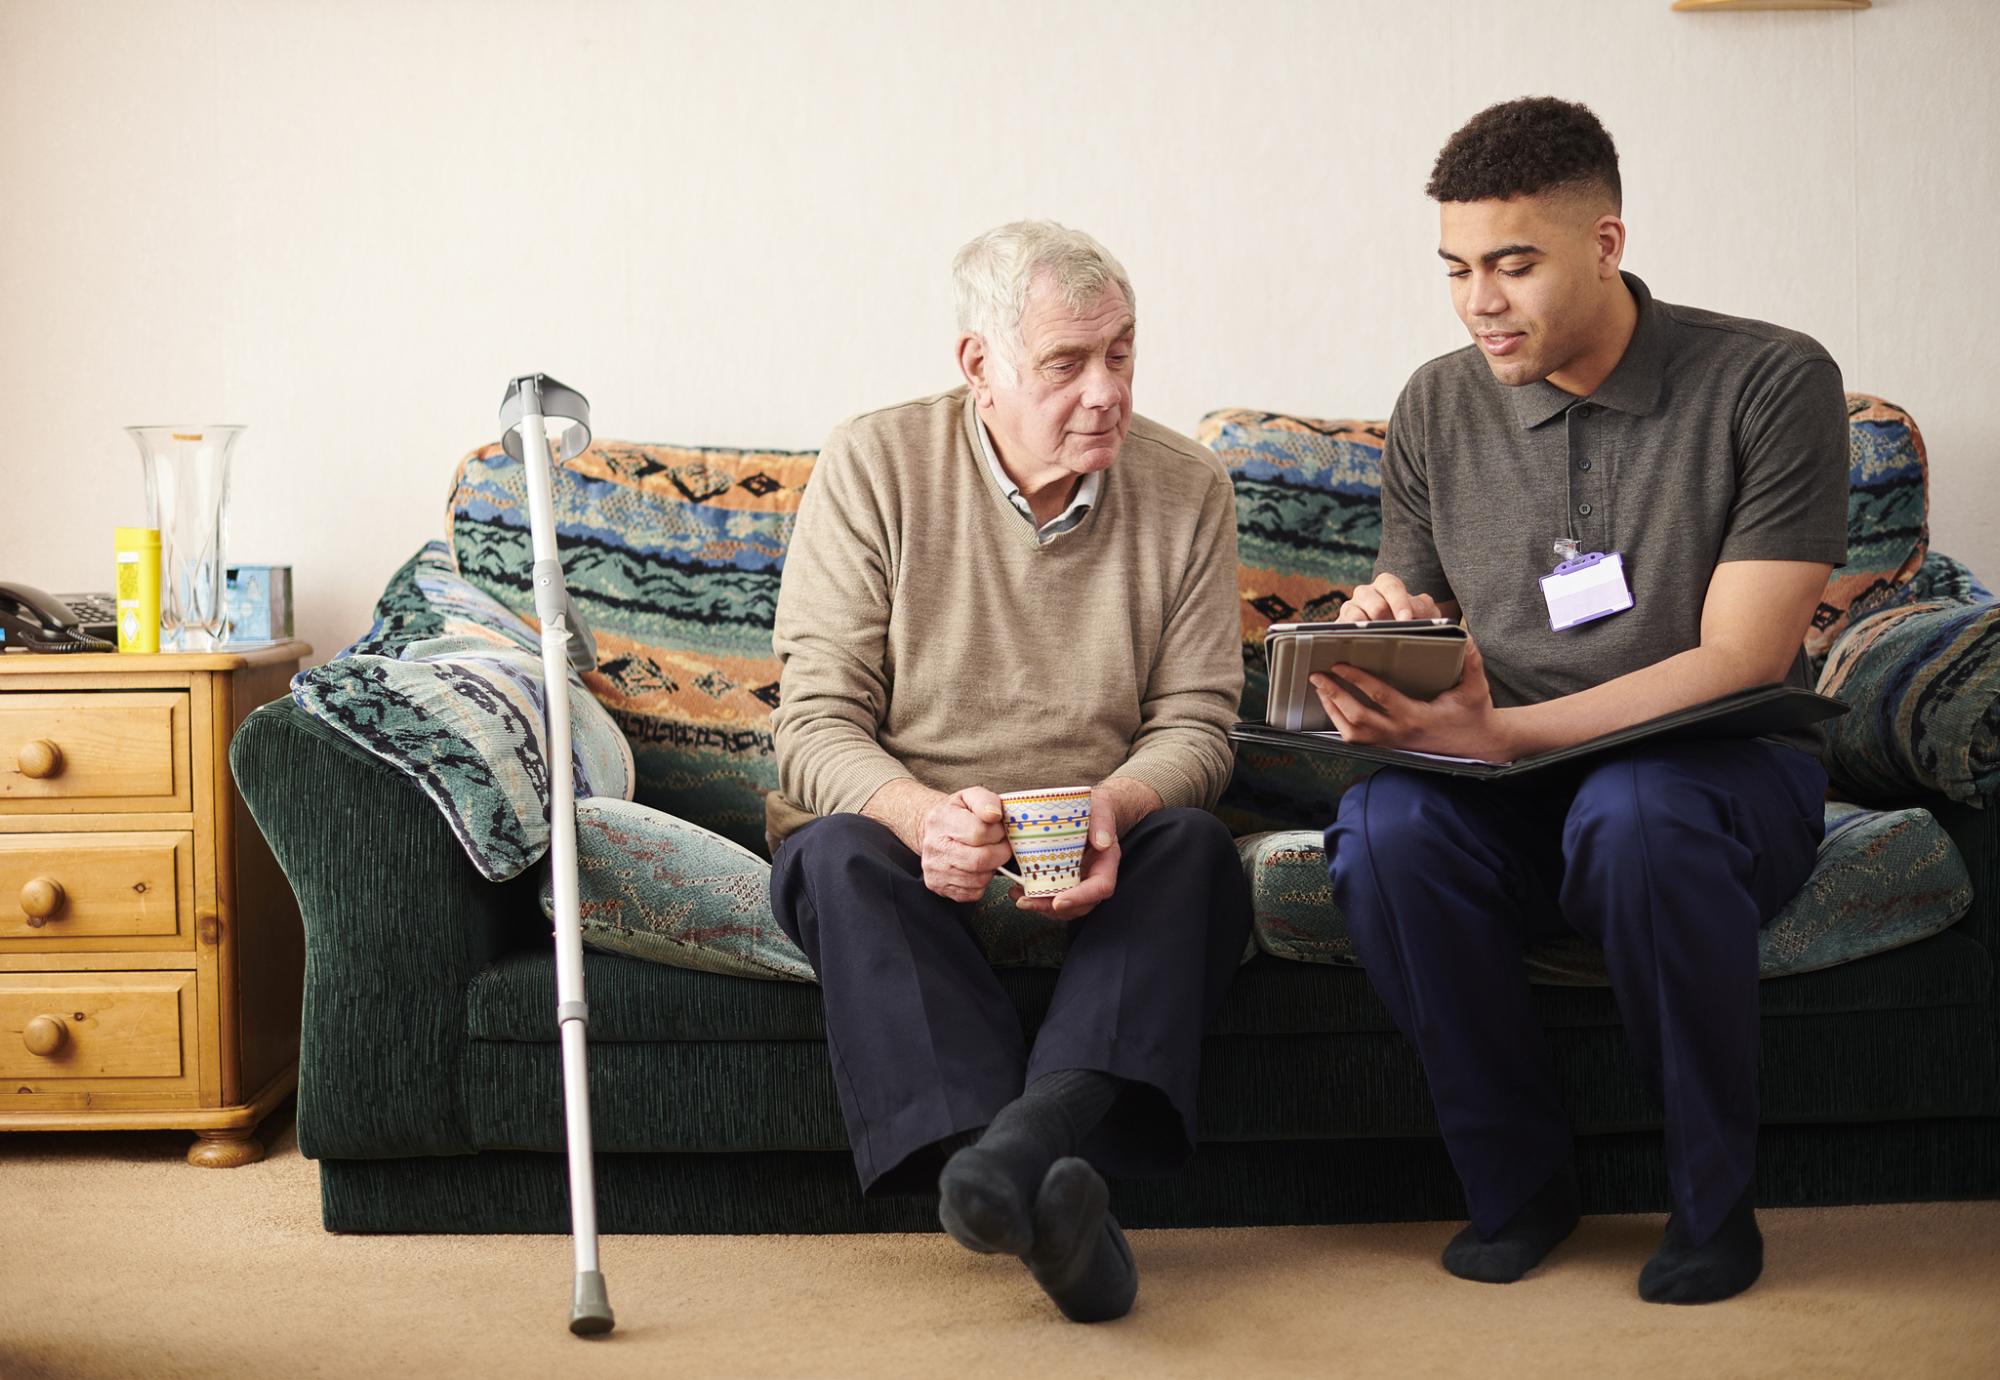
x=38, y=622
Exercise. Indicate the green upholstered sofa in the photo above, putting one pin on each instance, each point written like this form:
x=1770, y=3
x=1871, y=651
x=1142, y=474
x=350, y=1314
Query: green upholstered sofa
x=429, y=1079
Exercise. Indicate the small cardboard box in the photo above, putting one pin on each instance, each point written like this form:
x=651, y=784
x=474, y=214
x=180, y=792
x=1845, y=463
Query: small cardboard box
x=257, y=603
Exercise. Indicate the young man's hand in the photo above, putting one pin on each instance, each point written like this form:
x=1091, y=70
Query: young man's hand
x=1385, y=597
x=1461, y=722
x=1100, y=867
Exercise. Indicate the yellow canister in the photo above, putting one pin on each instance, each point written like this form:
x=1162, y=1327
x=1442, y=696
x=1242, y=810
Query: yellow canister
x=138, y=551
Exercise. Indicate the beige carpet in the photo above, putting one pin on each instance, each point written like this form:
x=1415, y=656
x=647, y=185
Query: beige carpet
x=118, y=1259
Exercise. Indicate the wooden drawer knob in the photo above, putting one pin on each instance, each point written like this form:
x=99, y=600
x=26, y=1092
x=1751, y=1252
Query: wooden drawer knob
x=44, y=1035
x=39, y=759
x=41, y=898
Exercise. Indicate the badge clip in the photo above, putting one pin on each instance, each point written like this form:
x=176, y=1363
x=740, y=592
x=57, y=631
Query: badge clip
x=1584, y=586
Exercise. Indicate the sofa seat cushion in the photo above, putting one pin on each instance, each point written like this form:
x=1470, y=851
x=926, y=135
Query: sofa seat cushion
x=691, y=1096
x=447, y=688
x=673, y=556
x=1924, y=680
x=513, y=999
x=1882, y=880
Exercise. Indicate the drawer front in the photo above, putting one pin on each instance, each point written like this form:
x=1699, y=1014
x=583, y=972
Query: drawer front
x=77, y=1032
x=85, y=892
x=94, y=751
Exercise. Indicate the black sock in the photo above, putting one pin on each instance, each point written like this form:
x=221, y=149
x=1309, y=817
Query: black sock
x=987, y=1192
x=1080, y=1257
x=1531, y=1233
x=1721, y=1267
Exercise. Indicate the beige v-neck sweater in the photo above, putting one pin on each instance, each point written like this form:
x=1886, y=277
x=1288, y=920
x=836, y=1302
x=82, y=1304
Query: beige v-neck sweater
x=926, y=633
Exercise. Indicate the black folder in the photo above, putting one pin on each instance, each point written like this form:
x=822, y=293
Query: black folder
x=1752, y=713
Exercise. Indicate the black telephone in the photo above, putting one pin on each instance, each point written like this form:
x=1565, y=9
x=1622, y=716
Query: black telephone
x=36, y=622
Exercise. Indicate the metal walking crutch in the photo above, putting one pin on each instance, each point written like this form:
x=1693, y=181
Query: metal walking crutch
x=533, y=403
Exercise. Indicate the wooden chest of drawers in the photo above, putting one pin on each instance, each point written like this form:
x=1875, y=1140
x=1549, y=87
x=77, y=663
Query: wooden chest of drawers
x=150, y=951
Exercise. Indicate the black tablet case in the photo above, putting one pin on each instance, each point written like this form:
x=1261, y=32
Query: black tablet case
x=1751, y=713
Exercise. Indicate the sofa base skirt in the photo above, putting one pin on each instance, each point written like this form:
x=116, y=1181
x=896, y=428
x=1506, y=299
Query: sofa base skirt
x=1274, y=1183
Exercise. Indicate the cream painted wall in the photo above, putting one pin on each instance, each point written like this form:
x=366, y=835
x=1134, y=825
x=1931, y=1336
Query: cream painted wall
x=349, y=224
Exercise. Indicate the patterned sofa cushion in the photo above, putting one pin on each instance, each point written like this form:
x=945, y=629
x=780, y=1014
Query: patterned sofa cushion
x=1308, y=523
x=425, y=598
x=1924, y=680
x=673, y=556
x=1943, y=578
x=446, y=687
x=1883, y=879
x=1887, y=517
x=654, y=887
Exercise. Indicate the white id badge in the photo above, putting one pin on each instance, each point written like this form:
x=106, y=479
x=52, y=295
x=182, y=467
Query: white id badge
x=1586, y=588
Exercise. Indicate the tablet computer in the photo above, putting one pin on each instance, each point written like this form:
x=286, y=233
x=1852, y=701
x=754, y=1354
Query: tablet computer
x=1421, y=657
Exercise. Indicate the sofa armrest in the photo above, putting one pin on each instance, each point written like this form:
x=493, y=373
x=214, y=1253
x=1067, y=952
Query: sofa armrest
x=1975, y=829
x=397, y=922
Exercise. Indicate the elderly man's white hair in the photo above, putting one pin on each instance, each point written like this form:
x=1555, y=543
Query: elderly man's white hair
x=992, y=275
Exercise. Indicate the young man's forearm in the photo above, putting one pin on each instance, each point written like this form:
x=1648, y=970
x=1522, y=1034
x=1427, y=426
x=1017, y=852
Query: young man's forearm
x=1679, y=682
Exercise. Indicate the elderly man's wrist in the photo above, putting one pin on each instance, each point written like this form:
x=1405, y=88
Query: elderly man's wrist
x=1131, y=801
x=902, y=803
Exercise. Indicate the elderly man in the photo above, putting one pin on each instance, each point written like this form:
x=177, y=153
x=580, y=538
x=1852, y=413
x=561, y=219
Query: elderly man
x=1014, y=584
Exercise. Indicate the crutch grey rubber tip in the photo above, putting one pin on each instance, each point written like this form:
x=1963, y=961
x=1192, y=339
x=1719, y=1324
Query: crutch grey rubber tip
x=590, y=1314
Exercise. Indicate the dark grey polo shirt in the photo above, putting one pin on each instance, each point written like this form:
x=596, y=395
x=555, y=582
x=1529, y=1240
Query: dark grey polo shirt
x=1714, y=439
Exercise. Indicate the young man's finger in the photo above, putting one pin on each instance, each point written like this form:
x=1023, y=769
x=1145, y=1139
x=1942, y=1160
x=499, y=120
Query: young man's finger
x=1344, y=719
x=1366, y=603
x=1370, y=689
x=1334, y=690
x=1396, y=595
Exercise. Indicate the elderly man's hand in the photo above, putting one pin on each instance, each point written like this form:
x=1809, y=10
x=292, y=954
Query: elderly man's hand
x=1100, y=867
x=962, y=839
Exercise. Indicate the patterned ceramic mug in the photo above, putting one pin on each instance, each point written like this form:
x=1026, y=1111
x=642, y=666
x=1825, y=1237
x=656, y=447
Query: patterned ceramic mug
x=1048, y=829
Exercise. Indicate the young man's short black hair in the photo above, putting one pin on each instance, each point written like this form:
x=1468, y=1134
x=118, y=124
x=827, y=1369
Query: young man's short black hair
x=1523, y=148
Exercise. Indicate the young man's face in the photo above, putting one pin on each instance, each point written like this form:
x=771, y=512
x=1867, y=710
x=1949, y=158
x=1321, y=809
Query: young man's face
x=1529, y=277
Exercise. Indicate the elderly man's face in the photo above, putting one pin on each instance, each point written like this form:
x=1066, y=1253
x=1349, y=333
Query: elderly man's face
x=1070, y=404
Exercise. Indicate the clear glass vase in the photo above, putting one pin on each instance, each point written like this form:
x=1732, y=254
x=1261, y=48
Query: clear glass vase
x=187, y=498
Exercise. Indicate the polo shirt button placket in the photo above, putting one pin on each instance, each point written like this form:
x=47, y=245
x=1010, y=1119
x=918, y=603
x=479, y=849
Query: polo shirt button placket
x=1582, y=412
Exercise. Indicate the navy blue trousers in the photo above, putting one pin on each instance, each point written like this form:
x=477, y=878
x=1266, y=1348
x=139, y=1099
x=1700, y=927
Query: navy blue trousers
x=925, y=1043
x=1668, y=856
